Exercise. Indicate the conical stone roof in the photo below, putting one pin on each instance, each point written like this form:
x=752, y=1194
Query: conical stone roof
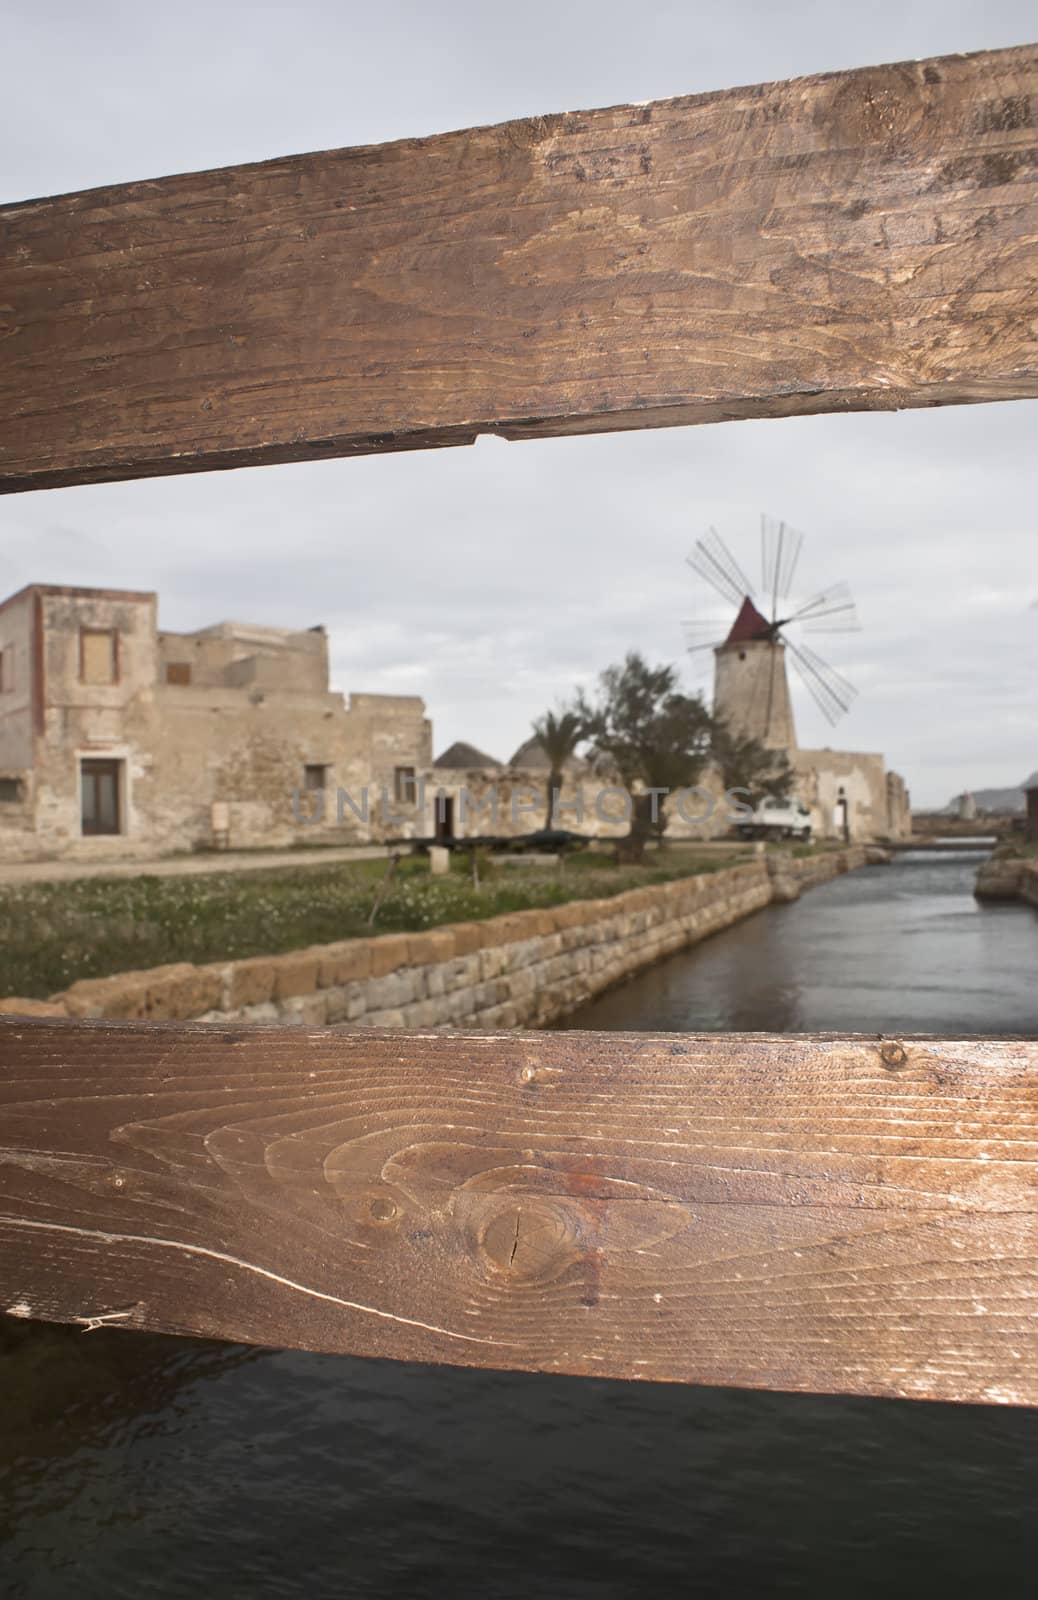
x=465, y=757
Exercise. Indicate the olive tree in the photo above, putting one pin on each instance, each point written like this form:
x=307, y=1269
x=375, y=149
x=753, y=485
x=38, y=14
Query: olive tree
x=749, y=766
x=652, y=735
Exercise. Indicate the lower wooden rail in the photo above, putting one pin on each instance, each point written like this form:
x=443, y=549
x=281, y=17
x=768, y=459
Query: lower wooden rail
x=853, y=1215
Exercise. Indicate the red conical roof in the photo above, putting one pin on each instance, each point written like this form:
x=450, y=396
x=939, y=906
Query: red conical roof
x=749, y=624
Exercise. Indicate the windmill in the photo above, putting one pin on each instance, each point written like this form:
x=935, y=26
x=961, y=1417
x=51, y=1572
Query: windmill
x=751, y=691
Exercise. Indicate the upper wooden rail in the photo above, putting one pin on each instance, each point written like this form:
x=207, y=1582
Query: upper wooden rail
x=863, y=239
x=830, y=1214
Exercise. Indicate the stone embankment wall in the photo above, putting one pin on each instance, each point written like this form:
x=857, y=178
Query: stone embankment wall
x=1008, y=878
x=522, y=970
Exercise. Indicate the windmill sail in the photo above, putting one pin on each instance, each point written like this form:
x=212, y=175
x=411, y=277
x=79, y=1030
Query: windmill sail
x=704, y=633
x=829, y=690
x=713, y=560
x=779, y=552
x=831, y=611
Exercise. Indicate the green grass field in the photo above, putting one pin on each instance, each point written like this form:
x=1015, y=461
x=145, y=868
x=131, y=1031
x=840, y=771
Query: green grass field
x=53, y=933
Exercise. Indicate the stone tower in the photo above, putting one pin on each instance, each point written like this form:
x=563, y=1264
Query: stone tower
x=751, y=691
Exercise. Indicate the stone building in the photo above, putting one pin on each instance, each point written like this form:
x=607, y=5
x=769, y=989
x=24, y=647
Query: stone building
x=850, y=794
x=480, y=797
x=118, y=739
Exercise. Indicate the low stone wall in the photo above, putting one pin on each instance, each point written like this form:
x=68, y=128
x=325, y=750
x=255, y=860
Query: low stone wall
x=791, y=875
x=522, y=970
x=1008, y=878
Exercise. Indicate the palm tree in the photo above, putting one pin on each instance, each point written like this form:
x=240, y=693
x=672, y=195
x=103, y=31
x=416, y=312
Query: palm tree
x=558, y=734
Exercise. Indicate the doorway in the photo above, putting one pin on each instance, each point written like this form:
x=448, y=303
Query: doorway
x=443, y=812
x=100, y=808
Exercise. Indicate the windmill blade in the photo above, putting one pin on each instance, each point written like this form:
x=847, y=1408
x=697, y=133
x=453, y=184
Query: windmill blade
x=842, y=618
x=816, y=688
x=829, y=690
x=832, y=610
x=704, y=633
x=712, y=560
x=779, y=552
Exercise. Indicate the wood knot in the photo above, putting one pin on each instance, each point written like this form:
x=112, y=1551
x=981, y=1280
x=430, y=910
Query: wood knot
x=527, y=131
x=528, y=1238
x=892, y=1054
x=878, y=107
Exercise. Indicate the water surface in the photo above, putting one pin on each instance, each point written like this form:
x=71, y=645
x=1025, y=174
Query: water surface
x=903, y=948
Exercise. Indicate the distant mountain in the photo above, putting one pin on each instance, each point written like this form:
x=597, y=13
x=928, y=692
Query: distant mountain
x=1002, y=802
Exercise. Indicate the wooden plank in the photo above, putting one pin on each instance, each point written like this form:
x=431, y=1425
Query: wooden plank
x=856, y=240
x=818, y=1213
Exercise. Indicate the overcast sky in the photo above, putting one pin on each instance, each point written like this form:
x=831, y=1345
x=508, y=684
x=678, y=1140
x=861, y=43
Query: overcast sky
x=491, y=579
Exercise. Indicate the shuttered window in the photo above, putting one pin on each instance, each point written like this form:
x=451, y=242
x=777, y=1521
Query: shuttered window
x=98, y=655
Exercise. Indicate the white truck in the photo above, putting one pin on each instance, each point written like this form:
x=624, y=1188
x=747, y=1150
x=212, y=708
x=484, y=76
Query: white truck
x=777, y=819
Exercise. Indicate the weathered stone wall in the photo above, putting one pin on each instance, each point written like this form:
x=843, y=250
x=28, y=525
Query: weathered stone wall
x=16, y=646
x=822, y=774
x=240, y=654
x=249, y=753
x=506, y=801
x=899, y=808
x=84, y=721
x=522, y=970
x=17, y=790
x=1008, y=878
x=751, y=692
x=387, y=732
x=791, y=875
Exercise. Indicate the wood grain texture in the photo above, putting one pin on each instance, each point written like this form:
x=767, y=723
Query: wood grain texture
x=825, y=1214
x=856, y=240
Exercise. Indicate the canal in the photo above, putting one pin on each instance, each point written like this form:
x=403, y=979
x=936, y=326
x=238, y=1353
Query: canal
x=888, y=949
x=139, y=1466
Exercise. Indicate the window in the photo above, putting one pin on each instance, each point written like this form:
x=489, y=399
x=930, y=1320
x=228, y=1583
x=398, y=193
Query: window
x=10, y=789
x=404, y=786
x=7, y=669
x=178, y=672
x=98, y=655
x=314, y=777
x=99, y=790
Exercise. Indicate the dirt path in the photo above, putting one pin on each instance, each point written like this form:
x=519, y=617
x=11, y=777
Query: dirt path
x=184, y=866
